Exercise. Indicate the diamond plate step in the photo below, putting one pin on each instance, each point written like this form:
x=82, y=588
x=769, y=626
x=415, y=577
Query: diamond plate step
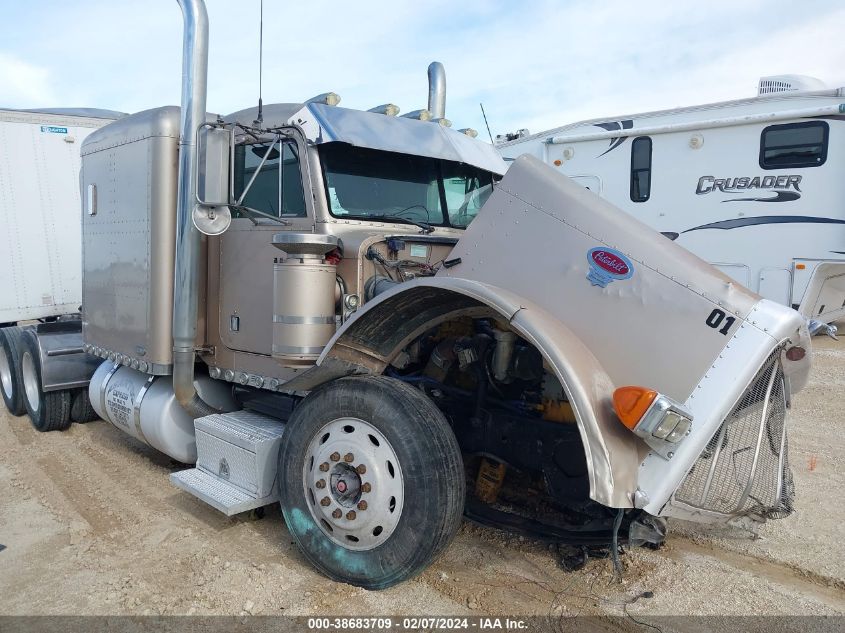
x=216, y=492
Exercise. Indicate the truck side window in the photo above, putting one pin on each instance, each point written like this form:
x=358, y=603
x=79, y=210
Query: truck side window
x=264, y=194
x=641, y=169
x=466, y=189
x=794, y=145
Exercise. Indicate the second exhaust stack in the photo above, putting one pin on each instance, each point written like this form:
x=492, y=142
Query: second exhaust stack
x=437, y=91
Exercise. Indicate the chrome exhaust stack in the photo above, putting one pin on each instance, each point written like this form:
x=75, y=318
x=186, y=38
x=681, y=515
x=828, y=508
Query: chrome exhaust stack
x=188, y=239
x=437, y=91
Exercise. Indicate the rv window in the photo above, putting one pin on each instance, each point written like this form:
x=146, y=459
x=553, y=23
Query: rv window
x=264, y=193
x=794, y=145
x=641, y=169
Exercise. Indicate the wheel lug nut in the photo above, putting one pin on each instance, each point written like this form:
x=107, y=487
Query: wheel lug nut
x=325, y=501
x=324, y=467
x=349, y=457
x=361, y=469
x=366, y=487
x=351, y=515
x=321, y=483
x=335, y=457
x=362, y=505
x=337, y=513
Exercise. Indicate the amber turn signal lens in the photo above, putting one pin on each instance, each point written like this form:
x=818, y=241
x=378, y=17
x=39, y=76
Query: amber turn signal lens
x=631, y=403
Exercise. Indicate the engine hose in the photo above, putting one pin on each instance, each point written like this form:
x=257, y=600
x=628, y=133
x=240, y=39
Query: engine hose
x=517, y=406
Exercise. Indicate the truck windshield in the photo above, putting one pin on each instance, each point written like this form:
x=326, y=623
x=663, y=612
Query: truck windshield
x=364, y=183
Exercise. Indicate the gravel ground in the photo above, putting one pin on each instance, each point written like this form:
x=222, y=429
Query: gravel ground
x=91, y=525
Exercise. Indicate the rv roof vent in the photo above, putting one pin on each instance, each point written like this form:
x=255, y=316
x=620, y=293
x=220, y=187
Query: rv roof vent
x=788, y=83
x=512, y=136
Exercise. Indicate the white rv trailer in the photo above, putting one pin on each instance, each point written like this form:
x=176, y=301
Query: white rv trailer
x=753, y=186
x=41, y=242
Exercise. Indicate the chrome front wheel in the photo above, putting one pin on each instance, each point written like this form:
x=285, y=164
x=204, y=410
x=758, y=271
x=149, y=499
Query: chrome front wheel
x=353, y=481
x=371, y=480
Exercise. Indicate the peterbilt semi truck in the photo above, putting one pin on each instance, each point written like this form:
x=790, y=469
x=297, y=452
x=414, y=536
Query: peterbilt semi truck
x=40, y=264
x=354, y=315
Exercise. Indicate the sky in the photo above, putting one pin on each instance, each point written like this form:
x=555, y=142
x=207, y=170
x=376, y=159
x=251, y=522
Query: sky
x=534, y=64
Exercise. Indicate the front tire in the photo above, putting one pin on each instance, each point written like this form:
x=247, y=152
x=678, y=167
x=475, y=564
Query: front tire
x=371, y=479
x=10, y=374
x=47, y=411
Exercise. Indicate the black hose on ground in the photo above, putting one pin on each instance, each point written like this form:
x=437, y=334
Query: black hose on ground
x=614, y=547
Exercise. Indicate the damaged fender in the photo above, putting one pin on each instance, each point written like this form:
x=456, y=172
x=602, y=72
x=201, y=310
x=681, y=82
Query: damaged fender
x=368, y=342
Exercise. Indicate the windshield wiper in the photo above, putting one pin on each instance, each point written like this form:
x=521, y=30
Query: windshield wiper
x=425, y=227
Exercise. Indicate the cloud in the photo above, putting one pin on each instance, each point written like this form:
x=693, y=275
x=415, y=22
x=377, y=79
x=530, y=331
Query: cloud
x=533, y=63
x=24, y=83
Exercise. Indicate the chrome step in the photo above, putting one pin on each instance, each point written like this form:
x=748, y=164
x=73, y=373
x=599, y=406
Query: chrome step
x=237, y=460
x=218, y=493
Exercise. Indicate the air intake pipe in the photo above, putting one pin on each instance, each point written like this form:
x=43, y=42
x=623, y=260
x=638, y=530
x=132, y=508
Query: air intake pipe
x=437, y=90
x=188, y=239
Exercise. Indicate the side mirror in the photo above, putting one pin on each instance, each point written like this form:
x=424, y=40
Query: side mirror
x=214, y=151
x=211, y=213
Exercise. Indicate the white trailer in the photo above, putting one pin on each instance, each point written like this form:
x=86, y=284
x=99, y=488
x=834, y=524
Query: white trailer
x=41, y=255
x=752, y=186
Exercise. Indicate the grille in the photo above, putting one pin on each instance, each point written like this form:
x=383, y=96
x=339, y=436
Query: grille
x=743, y=470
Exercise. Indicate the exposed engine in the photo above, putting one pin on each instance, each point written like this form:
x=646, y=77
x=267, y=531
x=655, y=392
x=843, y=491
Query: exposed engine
x=522, y=449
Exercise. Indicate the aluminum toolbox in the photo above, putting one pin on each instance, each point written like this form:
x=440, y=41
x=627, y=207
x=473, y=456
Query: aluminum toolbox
x=237, y=460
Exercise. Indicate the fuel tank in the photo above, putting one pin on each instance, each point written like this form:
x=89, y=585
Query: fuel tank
x=145, y=407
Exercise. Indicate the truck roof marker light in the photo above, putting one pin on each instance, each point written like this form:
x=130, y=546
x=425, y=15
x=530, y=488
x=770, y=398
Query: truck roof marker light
x=631, y=403
x=327, y=98
x=388, y=109
x=422, y=115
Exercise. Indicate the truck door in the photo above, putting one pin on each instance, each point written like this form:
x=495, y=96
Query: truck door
x=246, y=251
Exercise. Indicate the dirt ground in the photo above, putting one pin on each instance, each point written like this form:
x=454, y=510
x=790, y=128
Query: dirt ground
x=91, y=525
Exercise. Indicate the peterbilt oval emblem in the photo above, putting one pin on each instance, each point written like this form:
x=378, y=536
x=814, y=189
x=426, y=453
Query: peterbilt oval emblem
x=607, y=265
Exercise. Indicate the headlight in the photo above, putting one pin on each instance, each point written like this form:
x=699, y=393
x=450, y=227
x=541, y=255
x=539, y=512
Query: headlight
x=657, y=419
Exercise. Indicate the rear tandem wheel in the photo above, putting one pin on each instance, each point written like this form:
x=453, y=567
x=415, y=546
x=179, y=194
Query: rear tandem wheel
x=10, y=374
x=47, y=411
